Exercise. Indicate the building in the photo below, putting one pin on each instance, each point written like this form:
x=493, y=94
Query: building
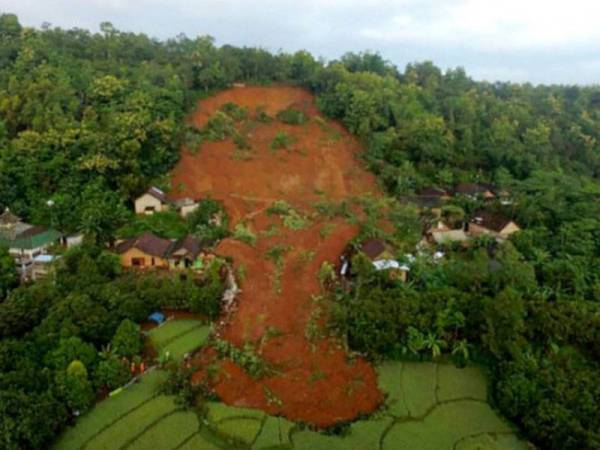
x=42, y=266
x=153, y=200
x=24, y=241
x=383, y=258
x=475, y=191
x=145, y=251
x=150, y=251
x=189, y=253
x=185, y=206
x=495, y=225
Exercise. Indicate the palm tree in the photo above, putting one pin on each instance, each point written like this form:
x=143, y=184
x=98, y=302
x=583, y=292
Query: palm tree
x=435, y=344
x=461, y=348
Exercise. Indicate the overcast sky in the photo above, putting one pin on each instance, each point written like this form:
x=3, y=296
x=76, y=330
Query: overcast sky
x=541, y=41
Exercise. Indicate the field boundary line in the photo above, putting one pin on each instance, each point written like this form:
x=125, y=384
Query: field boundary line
x=149, y=426
x=184, y=333
x=117, y=419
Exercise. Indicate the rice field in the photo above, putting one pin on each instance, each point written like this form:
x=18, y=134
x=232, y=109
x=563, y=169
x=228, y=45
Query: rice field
x=179, y=337
x=428, y=407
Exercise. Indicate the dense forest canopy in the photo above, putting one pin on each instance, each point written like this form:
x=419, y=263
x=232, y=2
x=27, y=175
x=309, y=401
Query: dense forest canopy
x=89, y=120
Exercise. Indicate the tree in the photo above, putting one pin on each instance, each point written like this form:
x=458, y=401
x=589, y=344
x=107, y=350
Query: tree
x=127, y=340
x=8, y=273
x=112, y=372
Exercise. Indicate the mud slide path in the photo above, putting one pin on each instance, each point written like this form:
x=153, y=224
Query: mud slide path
x=312, y=378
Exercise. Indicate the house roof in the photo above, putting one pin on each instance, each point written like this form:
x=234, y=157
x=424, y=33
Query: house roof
x=184, y=202
x=153, y=245
x=442, y=237
x=491, y=221
x=8, y=218
x=432, y=191
x=157, y=194
x=32, y=237
x=373, y=248
x=472, y=188
x=148, y=243
x=191, y=244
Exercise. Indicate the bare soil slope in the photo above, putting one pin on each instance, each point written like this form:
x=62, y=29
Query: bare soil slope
x=313, y=379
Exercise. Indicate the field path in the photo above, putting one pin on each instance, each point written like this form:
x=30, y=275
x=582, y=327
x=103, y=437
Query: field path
x=313, y=379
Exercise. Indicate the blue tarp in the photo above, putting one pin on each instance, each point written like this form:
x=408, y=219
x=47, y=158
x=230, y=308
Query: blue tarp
x=157, y=317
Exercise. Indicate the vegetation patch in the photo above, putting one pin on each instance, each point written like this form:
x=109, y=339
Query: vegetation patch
x=282, y=140
x=168, y=433
x=177, y=338
x=292, y=116
x=242, y=232
x=245, y=357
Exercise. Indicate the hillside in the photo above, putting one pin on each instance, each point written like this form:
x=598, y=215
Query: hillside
x=315, y=381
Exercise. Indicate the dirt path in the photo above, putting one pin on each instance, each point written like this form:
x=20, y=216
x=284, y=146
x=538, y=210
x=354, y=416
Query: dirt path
x=313, y=380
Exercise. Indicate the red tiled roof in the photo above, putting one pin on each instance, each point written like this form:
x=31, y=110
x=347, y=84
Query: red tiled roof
x=491, y=221
x=373, y=248
x=148, y=243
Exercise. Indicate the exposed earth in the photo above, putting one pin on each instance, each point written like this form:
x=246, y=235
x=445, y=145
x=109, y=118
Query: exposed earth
x=313, y=378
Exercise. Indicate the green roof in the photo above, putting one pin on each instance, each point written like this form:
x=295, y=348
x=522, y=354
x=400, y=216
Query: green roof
x=31, y=239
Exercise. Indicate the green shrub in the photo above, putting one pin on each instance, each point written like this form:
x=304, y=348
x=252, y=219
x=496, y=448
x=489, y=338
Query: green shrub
x=243, y=233
x=281, y=141
x=262, y=116
x=292, y=116
x=234, y=111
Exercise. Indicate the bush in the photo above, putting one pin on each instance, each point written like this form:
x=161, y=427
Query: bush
x=291, y=116
x=209, y=221
x=234, y=111
x=244, y=233
x=281, y=140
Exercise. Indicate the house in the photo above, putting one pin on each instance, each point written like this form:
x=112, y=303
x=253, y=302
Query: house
x=474, y=191
x=145, y=251
x=443, y=237
x=42, y=266
x=185, y=206
x=495, y=225
x=432, y=191
x=153, y=200
x=383, y=258
x=188, y=252
x=150, y=251
x=25, y=241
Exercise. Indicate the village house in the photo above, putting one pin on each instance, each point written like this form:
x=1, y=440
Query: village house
x=24, y=241
x=150, y=251
x=153, y=200
x=382, y=257
x=475, y=191
x=495, y=225
x=442, y=234
x=185, y=206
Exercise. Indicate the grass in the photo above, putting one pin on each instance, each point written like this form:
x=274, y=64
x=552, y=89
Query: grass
x=179, y=337
x=419, y=382
x=110, y=410
x=169, y=433
x=458, y=417
x=275, y=432
x=454, y=383
x=446, y=425
x=122, y=431
x=240, y=428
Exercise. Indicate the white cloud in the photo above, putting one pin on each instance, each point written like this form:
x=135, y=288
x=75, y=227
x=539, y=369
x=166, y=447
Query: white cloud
x=495, y=25
x=541, y=41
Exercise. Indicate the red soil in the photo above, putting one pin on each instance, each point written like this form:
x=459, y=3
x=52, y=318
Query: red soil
x=314, y=380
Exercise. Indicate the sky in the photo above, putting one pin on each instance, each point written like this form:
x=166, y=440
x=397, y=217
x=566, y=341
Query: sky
x=537, y=41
